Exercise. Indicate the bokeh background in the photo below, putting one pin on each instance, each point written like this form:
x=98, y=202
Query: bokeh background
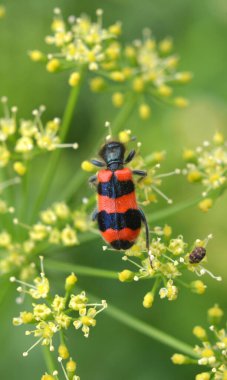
x=199, y=29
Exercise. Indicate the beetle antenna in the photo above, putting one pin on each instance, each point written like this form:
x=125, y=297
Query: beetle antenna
x=109, y=136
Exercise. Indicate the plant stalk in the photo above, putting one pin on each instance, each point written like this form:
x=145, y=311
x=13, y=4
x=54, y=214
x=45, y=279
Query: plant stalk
x=49, y=361
x=80, y=270
x=53, y=162
x=149, y=330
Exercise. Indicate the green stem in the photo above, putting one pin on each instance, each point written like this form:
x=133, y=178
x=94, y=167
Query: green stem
x=149, y=331
x=119, y=122
x=172, y=210
x=51, y=168
x=51, y=367
x=79, y=269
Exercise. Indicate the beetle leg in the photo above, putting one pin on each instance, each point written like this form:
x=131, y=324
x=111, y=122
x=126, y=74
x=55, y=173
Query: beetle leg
x=98, y=163
x=144, y=220
x=94, y=215
x=130, y=156
x=141, y=173
x=93, y=180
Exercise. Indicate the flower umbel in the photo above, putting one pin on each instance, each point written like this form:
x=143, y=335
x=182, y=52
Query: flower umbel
x=212, y=349
x=56, y=314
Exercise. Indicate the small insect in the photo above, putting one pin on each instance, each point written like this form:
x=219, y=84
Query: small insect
x=118, y=215
x=197, y=255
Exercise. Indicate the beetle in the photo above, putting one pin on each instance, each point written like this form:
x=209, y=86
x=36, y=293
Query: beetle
x=197, y=255
x=118, y=215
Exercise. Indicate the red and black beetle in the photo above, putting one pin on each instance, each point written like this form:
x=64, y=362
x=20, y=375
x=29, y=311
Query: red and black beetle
x=118, y=215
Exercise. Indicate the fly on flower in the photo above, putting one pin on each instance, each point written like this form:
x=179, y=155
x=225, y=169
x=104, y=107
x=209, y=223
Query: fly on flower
x=118, y=215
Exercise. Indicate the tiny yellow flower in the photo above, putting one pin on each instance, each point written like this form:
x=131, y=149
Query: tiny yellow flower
x=165, y=90
x=167, y=231
x=218, y=138
x=87, y=166
x=203, y=376
x=189, y=155
x=198, y=287
x=5, y=239
x=41, y=311
x=63, y=351
x=206, y=204
x=58, y=303
x=26, y=317
x=24, y=145
x=74, y=79
x=19, y=168
x=70, y=281
x=138, y=84
x=179, y=359
x=115, y=29
x=117, y=76
x=166, y=45
x=124, y=136
x=207, y=353
x=63, y=320
x=184, y=77
x=61, y=210
x=38, y=232
x=36, y=55
x=181, y=102
x=117, y=99
x=47, y=377
x=53, y=65
x=148, y=300
x=4, y=156
x=41, y=289
x=69, y=236
x=200, y=333
x=144, y=111
x=97, y=84
x=71, y=366
x=125, y=275
x=194, y=176
x=48, y=216
x=215, y=314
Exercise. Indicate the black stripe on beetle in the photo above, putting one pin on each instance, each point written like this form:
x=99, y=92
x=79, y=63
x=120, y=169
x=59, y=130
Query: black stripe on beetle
x=122, y=244
x=197, y=255
x=114, y=188
x=117, y=221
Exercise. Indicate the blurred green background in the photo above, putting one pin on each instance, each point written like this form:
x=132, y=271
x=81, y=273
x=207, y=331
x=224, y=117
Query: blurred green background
x=199, y=29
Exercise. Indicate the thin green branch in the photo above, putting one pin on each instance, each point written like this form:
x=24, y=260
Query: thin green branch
x=172, y=210
x=79, y=269
x=51, y=367
x=51, y=168
x=149, y=330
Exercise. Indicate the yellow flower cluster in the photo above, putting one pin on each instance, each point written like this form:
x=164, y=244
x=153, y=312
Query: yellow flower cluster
x=212, y=350
x=55, y=315
x=22, y=140
x=207, y=164
x=144, y=67
x=170, y=258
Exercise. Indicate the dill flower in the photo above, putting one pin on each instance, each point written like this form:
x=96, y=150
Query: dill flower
x=144, y=67
x=21, y=140
x=171, y=258
x=55, y=315
x=207, y=164
x=211, y=350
